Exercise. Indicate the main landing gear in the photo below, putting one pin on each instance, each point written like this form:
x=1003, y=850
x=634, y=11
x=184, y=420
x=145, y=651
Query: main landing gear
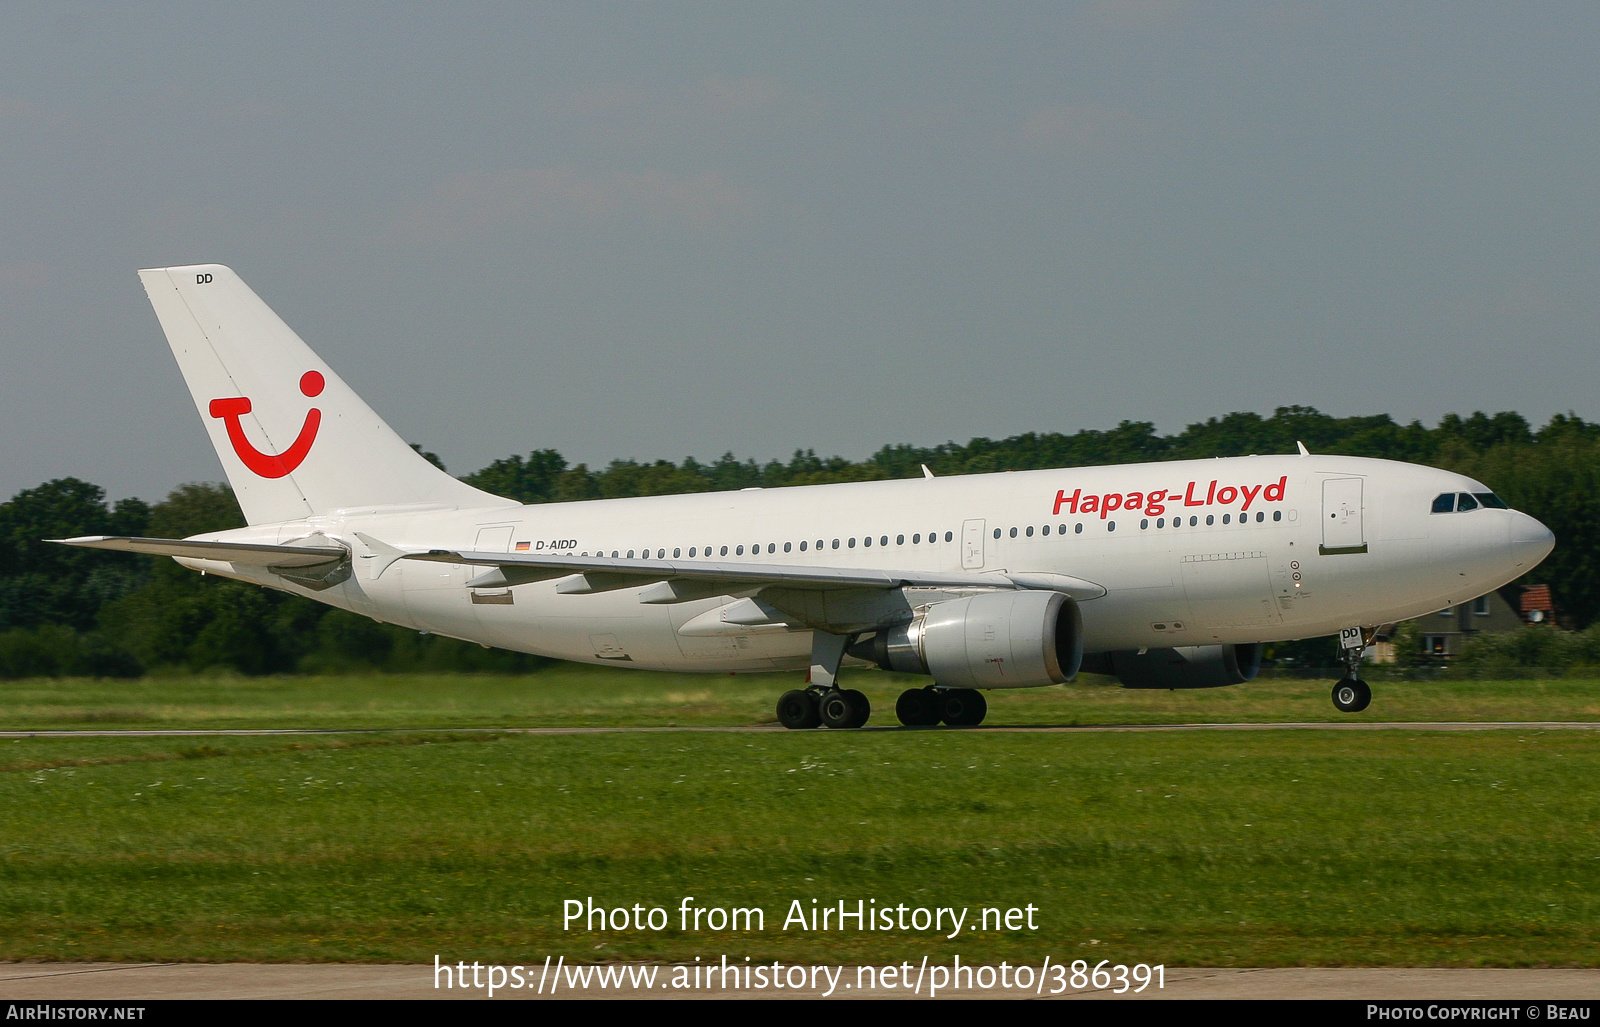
x=925, y=707
x=1351, y=694
x=801, y=708
x=823, y=703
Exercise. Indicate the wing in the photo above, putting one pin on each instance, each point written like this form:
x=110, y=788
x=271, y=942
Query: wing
x=839, y=599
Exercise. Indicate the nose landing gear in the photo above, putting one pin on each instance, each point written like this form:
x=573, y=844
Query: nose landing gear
x=1351, y=694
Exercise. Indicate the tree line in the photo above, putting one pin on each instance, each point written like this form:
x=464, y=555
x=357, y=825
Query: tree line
x=68, y=611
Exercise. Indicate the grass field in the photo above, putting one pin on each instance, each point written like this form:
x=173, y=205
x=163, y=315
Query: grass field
x=569, y=694
x=1260, y=848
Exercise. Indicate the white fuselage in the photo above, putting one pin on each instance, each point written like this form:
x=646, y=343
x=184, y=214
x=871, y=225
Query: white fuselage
x=1248, y=549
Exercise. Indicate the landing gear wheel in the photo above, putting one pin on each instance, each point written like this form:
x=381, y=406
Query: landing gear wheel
x=962, y=707
x=918, y=707
x=844, y=709
x=797, y=710
x=1351, y=695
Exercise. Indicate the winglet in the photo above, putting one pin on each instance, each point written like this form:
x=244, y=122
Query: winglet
x=1301, y=446
x=925, y=472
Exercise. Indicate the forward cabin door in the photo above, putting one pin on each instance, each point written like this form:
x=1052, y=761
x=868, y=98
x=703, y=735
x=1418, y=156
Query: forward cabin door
x=972, y=544
x=1342, y=526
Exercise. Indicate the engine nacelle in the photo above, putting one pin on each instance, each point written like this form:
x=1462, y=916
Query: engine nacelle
x=996, y=640
x=1187, y=666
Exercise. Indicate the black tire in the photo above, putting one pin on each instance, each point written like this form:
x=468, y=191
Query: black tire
x=918, y=707
x=1352, y=695
x=797, y=710
x=861, y=708
x=844, y=709
x=963, y=707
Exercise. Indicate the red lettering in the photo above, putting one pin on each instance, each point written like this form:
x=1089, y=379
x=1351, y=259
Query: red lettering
x=1278, y=488
x=1211, y=493
x=1157, y=503
x=1249, y=494
x=1106, y=504
x=1188, y=497
x=1071, y=503
x=1227, y=495
x=1090, y=504
x=1133, y=501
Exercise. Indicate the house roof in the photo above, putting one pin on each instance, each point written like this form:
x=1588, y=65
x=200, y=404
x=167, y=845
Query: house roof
x=1537, y=597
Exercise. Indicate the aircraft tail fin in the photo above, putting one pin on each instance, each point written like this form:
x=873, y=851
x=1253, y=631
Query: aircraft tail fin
x=293, y=438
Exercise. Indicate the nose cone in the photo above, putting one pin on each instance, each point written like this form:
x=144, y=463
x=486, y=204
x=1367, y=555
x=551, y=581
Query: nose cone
x=1531, y=542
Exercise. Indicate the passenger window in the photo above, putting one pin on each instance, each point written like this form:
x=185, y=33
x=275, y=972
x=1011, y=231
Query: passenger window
x=1161, y=522
x=1465, y=502
x=1144, y=522
x=949, y=535
x=677, y=553
x=1045, y=530
x=691, y=550
x=1277, y=515
x=1079, y=528
x=917, y=538
x=1210, y=520
x=1225, y=518
x=1260, y=516
x=724, y=550
x=1030, y=531
x=802, y=547
x=786, y=546
x=630, y=554
x=883, y=540
x=867, y=542
x=852, y=543
x=1193, y=521
x=1013, y=532
x=739, y=551
x=996, y=533
x=899, y=540
x=1061, y=529
x=1111, y=525
x=1444, y=502
x=836, y=543
x=772, y=547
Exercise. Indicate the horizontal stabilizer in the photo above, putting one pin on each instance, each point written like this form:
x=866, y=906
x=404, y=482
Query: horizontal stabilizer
x=250, y=554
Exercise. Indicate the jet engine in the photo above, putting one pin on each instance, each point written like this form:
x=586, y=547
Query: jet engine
x=1187, y=666
x=995, y=640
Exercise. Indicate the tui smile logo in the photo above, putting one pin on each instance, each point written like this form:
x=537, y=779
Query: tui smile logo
x=268, y=465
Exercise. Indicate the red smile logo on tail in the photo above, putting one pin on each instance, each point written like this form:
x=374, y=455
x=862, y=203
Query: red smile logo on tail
x=266, y=464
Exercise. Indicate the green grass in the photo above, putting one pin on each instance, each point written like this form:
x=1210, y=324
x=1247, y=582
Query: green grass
x=1246, y=849
x=1259, y=849
x=567, y=695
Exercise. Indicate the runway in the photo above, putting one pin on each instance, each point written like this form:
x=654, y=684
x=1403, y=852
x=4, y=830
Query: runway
x=158, y=981
x=1392, y=725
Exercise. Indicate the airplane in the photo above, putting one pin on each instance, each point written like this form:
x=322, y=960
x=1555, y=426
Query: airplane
x=1161, y=575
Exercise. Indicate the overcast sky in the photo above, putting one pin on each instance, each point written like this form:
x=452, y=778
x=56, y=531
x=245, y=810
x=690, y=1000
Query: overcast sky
x=660, y=230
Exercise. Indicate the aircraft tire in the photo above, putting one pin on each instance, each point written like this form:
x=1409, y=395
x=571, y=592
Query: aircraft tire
x=918, y=707
x=797, y=710
x=1352, y=695
x=844, y=709
x=963, y=707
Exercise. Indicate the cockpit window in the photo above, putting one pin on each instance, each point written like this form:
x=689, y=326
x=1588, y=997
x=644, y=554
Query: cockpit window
x=1445, y=502
x=1492, y=501
x=1464, y=501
